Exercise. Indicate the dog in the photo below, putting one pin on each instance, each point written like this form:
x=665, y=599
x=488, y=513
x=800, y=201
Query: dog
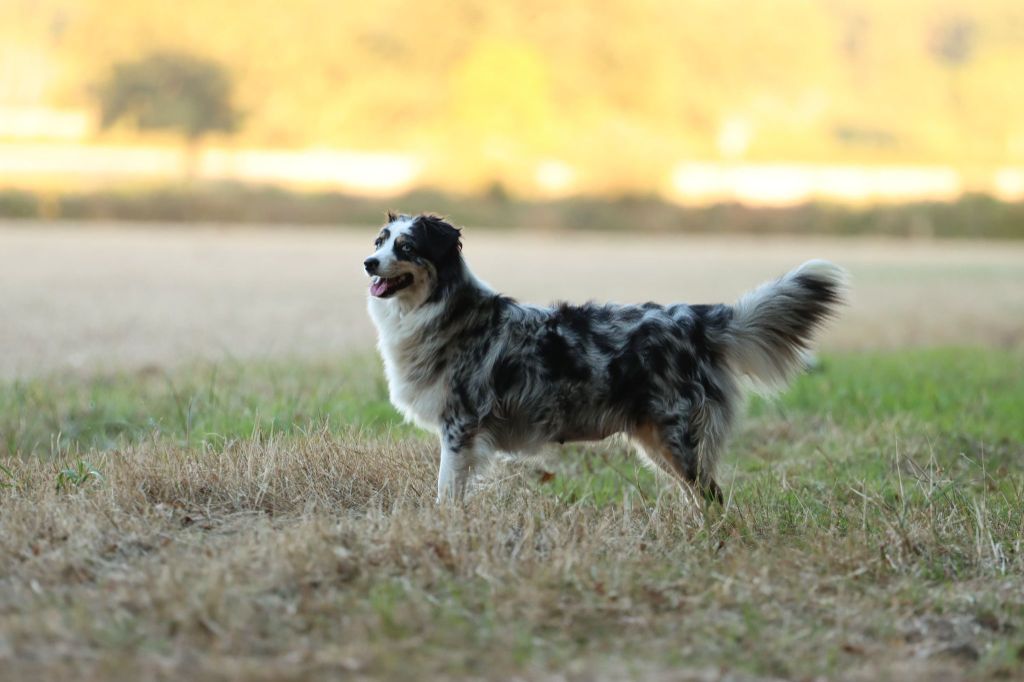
x=489, y=374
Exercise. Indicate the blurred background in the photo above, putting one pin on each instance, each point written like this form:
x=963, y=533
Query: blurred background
x=652, y=119
x=690, y=102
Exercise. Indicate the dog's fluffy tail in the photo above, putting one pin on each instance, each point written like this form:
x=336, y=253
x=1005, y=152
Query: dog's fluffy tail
x=769, y=337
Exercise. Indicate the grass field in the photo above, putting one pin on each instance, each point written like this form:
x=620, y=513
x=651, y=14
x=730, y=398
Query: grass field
x=244, y=520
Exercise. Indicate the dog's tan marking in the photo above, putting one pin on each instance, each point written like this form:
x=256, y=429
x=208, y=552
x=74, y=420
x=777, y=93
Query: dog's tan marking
x=647, y=439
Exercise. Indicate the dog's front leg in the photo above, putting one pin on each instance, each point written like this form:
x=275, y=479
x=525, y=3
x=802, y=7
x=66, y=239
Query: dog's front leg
x=453, y=472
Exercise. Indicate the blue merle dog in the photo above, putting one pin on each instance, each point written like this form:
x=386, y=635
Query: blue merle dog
x=489, y=374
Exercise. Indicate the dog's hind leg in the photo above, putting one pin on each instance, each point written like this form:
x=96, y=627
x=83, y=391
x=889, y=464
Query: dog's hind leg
x=672, y=447
x=684, y=451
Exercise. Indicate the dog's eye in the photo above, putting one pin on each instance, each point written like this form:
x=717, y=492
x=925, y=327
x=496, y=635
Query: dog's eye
x=377, y=242
x=406, y=248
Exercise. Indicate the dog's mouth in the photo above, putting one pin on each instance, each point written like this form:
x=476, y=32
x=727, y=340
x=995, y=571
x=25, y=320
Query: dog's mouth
x=383, y=287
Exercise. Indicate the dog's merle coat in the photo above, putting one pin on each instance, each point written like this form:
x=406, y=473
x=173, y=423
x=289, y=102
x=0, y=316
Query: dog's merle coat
x=493, y=375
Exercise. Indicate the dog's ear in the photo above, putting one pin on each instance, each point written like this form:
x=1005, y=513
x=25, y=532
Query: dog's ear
x=436, y=237
x=392, y=217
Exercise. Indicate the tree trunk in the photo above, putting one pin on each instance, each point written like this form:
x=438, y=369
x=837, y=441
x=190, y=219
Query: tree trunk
x=191, y=160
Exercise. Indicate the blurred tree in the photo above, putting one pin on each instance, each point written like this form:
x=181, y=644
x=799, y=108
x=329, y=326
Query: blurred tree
x=170, y=91
x=952, y=42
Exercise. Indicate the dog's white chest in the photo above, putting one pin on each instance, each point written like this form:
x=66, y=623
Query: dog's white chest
x=421, y=400
x=419, y=404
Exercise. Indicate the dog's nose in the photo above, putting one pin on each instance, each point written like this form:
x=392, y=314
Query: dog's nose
x=371, y=265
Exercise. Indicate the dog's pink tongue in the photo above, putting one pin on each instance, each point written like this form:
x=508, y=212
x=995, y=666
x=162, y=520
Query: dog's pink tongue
x=378, y=286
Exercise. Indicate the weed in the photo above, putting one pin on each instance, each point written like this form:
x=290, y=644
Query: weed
x=77, y=475
x=7, y=479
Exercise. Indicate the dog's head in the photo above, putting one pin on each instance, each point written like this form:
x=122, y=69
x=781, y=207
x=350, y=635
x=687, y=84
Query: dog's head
x=414, y=257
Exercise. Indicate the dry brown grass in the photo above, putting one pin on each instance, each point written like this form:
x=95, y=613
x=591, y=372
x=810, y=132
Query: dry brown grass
x=322, y=556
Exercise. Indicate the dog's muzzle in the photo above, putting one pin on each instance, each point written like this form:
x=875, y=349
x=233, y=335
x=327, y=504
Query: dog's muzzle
x=383, y=287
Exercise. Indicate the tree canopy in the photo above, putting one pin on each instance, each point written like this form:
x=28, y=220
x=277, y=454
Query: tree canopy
x=169, y=90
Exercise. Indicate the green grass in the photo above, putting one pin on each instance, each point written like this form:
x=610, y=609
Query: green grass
x=203, y=406
x=972, y=392
x=966, y=394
